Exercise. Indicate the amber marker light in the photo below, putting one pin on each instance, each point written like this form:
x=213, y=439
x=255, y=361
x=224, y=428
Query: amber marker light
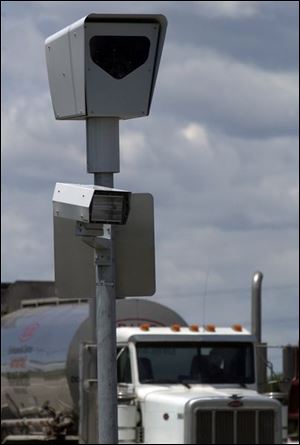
x=194, y=328
x=210, y=328
x=237, y=327
x=176, y=327
x=145, y=327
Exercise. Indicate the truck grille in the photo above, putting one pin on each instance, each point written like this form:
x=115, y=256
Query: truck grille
x=234, y=427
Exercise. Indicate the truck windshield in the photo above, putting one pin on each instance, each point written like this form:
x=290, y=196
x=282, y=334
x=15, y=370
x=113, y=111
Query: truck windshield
x=205, y=362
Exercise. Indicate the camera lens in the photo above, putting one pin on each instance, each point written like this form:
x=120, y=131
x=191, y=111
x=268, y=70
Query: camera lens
x=119, y=55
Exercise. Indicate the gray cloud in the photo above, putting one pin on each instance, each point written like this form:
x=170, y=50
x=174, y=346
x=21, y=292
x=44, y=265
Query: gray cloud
x=264, y=34
x=223, y=92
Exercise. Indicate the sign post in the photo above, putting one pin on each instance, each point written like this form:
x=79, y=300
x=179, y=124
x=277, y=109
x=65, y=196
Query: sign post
x=102, y=143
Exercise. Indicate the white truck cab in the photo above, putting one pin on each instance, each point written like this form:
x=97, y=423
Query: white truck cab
x=192, y=385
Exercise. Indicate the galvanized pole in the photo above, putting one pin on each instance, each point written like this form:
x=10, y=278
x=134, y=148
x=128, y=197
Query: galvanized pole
x=103, y=161
x=106, y=345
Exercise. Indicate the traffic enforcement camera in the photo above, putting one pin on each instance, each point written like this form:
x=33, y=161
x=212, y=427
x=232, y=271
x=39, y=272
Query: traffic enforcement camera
x=105, y=65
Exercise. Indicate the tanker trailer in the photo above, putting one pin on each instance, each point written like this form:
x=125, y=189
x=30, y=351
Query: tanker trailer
x=39, y=364
x=176, y=383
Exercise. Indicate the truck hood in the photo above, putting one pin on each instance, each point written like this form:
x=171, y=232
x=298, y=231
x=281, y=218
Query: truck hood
x=178, y=395
x=168, y=410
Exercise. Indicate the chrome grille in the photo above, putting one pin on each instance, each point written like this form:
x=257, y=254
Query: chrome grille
x=224, y=431
x=266, y=426
x=246, y=427
x=204, y=427
x=234, y=427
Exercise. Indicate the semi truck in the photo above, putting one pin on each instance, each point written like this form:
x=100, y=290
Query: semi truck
x=177, y=382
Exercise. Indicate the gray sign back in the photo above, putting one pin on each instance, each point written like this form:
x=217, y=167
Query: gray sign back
x=134, y=255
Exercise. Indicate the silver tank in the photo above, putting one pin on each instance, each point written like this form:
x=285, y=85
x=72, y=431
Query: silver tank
x=40, y=346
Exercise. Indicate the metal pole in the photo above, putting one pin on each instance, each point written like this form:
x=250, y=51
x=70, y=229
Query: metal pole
x=106, y=347
x=102, y=135
x=91, y=414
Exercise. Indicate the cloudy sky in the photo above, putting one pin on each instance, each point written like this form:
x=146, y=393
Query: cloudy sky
x=219, y=153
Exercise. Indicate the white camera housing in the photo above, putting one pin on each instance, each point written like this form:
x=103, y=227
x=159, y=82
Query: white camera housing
x=105, y=65
x=91, y=203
